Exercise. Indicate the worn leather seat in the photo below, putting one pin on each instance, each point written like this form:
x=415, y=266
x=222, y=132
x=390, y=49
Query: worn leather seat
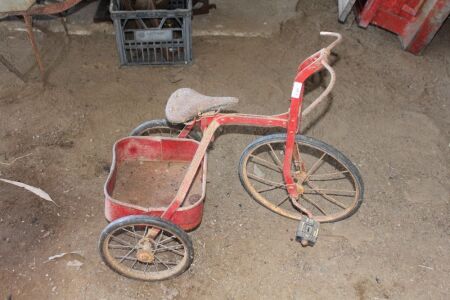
x=184, y=104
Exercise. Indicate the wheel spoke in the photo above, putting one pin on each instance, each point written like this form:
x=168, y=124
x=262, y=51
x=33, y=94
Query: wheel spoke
x=328, y=197
x=267, y=164
x=122, y=242
x=171, y=249
x=275, y=157
x=110, y=246
x=126, y=255
x=335, y=192
x=328, y=176
x=122, y=258
x=314, y=167
x=331, y=191
x=266, y=181
x=135, y=262
x=282, y=201
x=159, y=238
x=161, y=262
x=173, y=263
x=166, y=240
x=166, y=248
x=269, y=189
x=307, y=199
x=158, y=241
x=134, y=234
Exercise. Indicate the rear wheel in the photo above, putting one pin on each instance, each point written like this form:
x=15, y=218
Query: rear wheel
x=329, y=185
x=162, y=128
x=125, y=248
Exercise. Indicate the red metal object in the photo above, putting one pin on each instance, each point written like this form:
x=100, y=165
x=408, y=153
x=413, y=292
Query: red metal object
x=153, y=149
x=414, y=21
x=170, y=149
x=48, y=9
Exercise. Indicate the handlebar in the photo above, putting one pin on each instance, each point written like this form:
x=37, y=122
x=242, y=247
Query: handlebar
x=323, y=58
x=324, y=93
x=338, y=40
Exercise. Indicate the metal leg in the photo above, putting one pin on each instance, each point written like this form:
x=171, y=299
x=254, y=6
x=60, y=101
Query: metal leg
x=64, y=24
x=29, y=24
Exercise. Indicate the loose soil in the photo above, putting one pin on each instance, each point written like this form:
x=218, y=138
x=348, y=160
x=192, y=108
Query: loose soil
x=388, y=113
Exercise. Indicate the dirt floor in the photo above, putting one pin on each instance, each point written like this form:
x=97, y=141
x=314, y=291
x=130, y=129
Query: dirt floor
x=389, y=112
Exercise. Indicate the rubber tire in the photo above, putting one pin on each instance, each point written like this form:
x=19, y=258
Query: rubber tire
x=138, y=219
x=333, y=152
x=139, y=130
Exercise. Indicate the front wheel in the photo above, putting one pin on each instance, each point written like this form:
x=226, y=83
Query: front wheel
x=161, y=127
x=125, y=248
x=329, y=184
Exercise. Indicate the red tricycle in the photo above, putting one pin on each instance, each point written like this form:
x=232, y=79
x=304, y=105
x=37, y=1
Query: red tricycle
x=156, y=186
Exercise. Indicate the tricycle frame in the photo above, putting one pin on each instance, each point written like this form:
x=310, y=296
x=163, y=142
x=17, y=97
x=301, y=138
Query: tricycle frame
x=290, y=120
x=292, y=145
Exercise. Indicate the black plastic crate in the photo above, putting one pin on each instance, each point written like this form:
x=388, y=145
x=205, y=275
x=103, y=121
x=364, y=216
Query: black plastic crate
x=153, y=37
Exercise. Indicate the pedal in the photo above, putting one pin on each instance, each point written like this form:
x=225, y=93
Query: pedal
x=307, y=231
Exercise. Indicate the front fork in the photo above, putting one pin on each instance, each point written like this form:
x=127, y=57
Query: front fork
x=308, y=228
x=291, y=154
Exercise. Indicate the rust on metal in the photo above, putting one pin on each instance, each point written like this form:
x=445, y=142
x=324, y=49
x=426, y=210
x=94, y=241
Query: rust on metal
x=29, y=24
x=28, y=11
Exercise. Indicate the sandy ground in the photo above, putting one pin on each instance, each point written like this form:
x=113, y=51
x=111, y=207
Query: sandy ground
x=388, y=112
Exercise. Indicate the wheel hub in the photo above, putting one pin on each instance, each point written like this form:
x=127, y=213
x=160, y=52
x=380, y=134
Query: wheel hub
x=145, y=253
x=300, y=176
x=145, y=256
x=300, y=188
